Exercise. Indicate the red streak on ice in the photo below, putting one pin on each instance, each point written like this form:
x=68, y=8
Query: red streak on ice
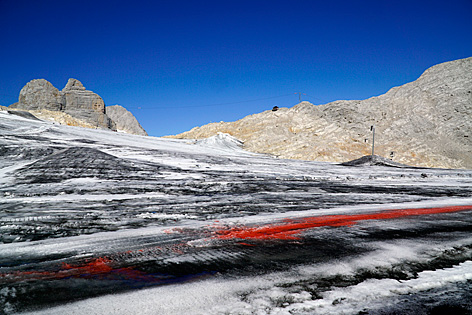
x=93, y=267
x=96, y=266
x=106, y=268
x=290, y=228
x=100, y=267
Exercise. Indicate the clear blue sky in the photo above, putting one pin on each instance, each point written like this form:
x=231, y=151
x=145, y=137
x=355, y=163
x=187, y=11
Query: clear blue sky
x=180, y=64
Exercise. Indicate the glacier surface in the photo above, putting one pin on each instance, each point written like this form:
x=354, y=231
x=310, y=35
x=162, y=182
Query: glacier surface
x=103, y=222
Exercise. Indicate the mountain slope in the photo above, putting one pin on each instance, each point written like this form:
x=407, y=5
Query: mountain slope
x=124, y=120
x=98, y=222
x=427, y=122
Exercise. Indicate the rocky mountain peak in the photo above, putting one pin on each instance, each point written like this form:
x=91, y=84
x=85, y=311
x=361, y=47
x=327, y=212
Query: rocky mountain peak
x=73, y=84
x=427, y=122
x=85, y=107
x=37, y=94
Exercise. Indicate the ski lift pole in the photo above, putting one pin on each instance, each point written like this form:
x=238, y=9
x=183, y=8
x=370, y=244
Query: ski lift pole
x=300, y=96
x=372, y=128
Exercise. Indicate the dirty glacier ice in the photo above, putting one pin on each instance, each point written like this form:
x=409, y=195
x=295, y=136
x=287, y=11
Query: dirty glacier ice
x=92, y=220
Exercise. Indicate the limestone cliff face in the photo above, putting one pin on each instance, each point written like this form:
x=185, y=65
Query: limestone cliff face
x=124, y=120
x=39, y=94
x=84, y=107
x=427, y=122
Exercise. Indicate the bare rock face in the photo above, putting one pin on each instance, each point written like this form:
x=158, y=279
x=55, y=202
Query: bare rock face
x=75, y=106
x=427, y=123
x=124, y=120
x=74, y=100
x=39, y=94
x=73, y=84
x=86, y=105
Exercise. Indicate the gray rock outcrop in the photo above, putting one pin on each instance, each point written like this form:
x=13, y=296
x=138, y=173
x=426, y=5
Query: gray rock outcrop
x=124, y=120
x=74, y=100
x=73, y=85
x=85, y=105
x=39, y=94
x=427, y=122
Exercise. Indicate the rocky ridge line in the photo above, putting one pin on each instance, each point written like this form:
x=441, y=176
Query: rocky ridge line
x=74, y=100
x=425, y=123
x=74, y=106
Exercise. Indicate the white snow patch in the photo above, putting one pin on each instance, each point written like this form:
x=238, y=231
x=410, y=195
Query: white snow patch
x=222, y=141
x=222, y=296
x=372, y=292
x=164, y=216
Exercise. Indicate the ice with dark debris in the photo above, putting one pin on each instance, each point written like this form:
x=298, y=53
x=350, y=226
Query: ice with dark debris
x=145, y=206
x=292, y=292
x=23, y=114
x=375, y=160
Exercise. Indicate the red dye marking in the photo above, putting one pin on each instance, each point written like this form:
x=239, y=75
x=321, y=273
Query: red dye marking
x=290, y=228
x=93, y=267
x=96, y=266
x=103, y=267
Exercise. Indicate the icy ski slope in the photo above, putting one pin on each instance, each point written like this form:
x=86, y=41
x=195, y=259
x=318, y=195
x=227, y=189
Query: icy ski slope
x=98, y=222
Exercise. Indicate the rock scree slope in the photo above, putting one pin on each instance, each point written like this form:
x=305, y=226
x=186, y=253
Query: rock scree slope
x=425, y=123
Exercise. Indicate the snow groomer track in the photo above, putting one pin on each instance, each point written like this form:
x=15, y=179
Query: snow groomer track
x=98, y=222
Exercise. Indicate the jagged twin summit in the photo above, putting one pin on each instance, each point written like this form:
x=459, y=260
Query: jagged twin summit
x=75, y=100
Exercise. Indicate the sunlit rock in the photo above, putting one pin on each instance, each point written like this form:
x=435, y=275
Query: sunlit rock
x=427, y=123
x=124, y=120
